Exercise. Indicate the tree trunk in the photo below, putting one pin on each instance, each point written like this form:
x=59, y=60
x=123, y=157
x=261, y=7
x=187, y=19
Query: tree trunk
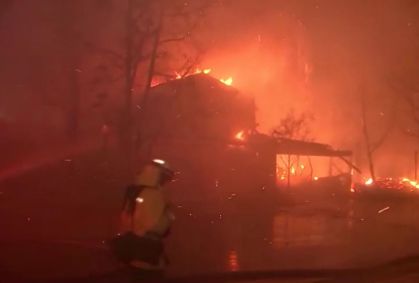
x=367, y=138
x=151, y=66
x=125, y=134
x=143, y=140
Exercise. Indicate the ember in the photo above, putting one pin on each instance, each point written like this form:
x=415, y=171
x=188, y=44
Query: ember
x=384, y=209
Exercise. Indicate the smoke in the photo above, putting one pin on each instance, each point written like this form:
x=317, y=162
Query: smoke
x=320, y=58
x=266, y=54
x=311, y=57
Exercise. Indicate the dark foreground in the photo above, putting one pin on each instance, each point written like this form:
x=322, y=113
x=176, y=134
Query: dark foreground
x=55, y=221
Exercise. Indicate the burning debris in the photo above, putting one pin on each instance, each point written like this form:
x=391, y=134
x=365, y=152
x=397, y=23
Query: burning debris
x=369, y=182
x=403, y=184
x=296, y=160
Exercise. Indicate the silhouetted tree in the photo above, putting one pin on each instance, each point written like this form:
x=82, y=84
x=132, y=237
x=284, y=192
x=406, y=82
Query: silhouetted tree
x=294, y=126
x=157, y=41
x=375, y=134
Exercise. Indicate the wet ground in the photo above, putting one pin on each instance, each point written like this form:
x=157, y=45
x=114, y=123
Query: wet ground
x=55, y=219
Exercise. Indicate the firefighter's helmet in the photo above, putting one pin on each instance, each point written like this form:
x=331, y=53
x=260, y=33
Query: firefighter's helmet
x=156, y=173
x=166, y=173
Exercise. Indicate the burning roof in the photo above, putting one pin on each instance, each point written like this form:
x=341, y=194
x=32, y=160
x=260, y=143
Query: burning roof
x=295, y=147
x=197, y=106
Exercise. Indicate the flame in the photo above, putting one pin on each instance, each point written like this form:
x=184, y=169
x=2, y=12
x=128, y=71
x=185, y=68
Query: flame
x=155, y=82
x=292, y=170
x=369, y=181
x=233, y=262
x=410, y=182
x=315, y=178
x=204, y=71
x=228, y=81
x=240, y=136
x=393, y=183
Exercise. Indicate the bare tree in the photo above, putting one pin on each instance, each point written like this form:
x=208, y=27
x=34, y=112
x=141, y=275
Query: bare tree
x=297, y=127
x=153, y=31
x=294, y=126
x=374, y=139
x=405, y=86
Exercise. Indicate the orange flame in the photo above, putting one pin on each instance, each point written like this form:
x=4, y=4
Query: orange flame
x=233, y=262
x=228, y=81
x=369, y=181
x=155, y=82
x=411, y=182
x=204, y=71
x=240, y=136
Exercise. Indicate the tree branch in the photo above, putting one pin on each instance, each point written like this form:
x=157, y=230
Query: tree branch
x=174, y=39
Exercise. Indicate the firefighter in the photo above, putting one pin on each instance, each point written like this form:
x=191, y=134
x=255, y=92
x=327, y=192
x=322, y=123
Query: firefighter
x=146, y=221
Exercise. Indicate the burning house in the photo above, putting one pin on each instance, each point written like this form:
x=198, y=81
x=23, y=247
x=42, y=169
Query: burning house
x=199, y=124
x=207, y=130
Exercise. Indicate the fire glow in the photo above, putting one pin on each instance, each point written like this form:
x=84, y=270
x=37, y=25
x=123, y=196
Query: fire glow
x=228, y=81
x=207, y=71
x=240, y=136
x=392, y=183
x=369, y=182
